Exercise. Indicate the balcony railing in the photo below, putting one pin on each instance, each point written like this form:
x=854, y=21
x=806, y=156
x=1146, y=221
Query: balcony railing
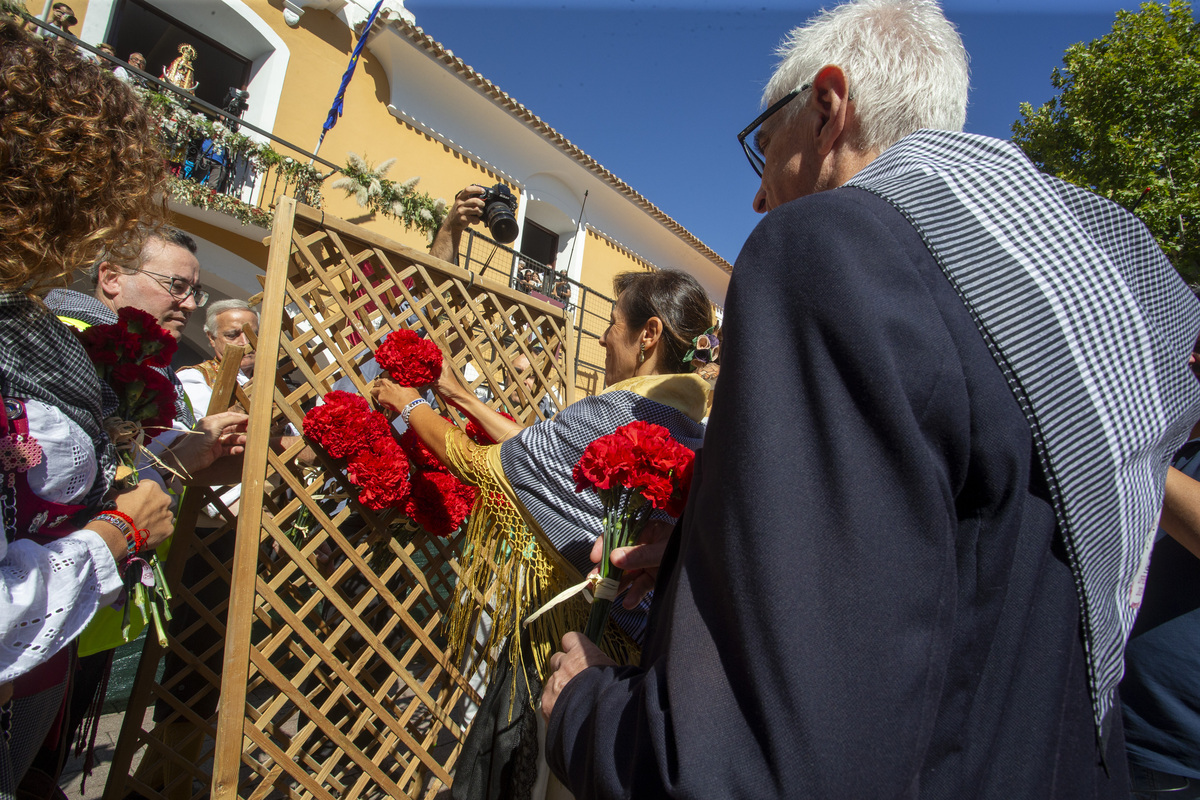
x=214, y=162
x=591, y=309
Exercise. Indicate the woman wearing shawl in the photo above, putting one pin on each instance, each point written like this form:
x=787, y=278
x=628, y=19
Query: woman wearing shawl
x=78, y=169
x=526, y=489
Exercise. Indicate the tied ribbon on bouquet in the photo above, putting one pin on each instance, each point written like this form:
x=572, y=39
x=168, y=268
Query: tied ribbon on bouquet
x=635, y=470
x=126, y=355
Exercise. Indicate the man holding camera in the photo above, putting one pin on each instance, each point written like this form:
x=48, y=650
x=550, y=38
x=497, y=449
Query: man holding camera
x=469, y=207
x=467, y=210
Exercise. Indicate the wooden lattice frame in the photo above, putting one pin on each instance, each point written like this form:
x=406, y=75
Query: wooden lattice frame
x=334, y=680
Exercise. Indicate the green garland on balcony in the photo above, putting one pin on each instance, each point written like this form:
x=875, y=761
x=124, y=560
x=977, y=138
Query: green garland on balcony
x=178, y=126
x=201, y=196
x=400, y=201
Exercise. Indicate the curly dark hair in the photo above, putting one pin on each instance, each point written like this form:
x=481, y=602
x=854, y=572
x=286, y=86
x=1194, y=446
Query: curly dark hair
x=81, y=171
x=677, y=299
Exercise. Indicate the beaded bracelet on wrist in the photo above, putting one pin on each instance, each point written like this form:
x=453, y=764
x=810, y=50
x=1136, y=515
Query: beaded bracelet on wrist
x=135, y=538
x=406, y=412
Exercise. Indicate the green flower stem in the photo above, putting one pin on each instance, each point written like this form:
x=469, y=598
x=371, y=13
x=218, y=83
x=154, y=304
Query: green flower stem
x=625, y=514
x=159, y=628
x=160, y=585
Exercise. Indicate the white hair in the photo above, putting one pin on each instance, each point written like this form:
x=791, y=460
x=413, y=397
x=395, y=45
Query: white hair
x=220, y=307
x=904, y=62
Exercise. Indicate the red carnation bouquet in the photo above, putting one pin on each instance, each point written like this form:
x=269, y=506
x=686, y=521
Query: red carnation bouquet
x=404, y=475
x=409, y=358
x=478, y=435
x=125, y=355
x=347, y=427
x=128, y=355
x=635, y=470
x=439, y=502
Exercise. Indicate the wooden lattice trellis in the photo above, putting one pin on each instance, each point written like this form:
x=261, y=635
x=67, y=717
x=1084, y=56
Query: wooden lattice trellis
x=332, y=673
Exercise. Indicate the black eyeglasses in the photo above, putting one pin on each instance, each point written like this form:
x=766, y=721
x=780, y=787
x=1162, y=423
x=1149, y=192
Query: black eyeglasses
x=750, y=143
x=179, y=288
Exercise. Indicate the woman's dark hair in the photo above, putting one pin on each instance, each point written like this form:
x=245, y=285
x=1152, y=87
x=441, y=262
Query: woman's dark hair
x=676, y=299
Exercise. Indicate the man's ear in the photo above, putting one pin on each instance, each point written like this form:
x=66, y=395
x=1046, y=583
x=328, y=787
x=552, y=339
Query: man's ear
x=832, y=97
x=108, y=279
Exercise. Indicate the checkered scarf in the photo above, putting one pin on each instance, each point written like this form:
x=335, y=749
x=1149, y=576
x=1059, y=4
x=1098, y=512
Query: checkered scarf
x=40, y=359
x=68, y=303
x=1092, y=328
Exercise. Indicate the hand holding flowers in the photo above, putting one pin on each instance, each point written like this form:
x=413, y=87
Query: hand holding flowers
x=639, y=562
x=634, y=470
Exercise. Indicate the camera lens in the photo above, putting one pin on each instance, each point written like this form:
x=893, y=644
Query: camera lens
x=501, y=222
x=499, y=205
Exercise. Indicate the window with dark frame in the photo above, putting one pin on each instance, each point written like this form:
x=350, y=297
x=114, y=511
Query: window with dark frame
x=538, y=243
x=137, y=27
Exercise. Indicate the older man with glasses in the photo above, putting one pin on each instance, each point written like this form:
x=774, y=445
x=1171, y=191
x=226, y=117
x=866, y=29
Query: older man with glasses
x=915, y=540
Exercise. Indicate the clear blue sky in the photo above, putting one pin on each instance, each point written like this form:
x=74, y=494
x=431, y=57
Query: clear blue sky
x=657, y=91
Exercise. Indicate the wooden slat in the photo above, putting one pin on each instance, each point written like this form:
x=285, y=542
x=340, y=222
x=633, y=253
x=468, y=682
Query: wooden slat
x=235, y=666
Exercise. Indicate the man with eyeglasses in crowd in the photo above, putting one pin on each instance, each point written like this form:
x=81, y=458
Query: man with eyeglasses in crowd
x=914, y=543
x=165, y=283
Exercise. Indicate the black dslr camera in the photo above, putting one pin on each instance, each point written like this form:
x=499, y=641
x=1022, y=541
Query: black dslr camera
x=498, y=207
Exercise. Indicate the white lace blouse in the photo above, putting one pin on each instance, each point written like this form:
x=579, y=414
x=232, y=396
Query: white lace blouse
x=49, y=593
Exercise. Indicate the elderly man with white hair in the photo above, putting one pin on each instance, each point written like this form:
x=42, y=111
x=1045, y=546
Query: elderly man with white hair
x=916, y=538
x=224, y=325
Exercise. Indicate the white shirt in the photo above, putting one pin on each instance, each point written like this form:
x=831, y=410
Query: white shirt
x=49, y=593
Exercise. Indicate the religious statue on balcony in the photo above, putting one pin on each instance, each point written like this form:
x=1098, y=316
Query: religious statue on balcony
x=182, y=71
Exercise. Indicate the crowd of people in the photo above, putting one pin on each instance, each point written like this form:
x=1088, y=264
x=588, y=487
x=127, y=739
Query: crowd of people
x=919, y=532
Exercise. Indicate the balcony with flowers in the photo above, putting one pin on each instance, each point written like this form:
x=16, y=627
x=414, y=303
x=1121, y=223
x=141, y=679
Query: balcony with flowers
x=214, y=165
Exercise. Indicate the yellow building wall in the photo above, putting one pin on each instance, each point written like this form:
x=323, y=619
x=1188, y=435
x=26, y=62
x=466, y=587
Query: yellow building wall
x=320, y=49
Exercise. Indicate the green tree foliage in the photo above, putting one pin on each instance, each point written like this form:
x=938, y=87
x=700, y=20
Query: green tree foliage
x=1127, y=120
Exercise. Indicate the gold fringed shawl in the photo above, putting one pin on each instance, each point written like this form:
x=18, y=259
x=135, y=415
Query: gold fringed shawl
x=510, y=569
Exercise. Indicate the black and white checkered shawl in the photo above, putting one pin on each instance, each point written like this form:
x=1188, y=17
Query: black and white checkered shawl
x=538, y=464
x=40, y=359
x=76, y=305
x=1091, y=326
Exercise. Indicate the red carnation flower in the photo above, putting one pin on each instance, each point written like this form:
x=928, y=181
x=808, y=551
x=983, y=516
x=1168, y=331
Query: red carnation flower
x=345, y=424
x=605, y=464
x=478, y=435
x=410, y=359
x=439, y=502
x=683, y=485
x=108, y=345
x=156, y=346
x=381, y=473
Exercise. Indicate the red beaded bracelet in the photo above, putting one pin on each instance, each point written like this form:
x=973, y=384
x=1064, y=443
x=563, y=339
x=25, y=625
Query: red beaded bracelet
x=135, y=537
